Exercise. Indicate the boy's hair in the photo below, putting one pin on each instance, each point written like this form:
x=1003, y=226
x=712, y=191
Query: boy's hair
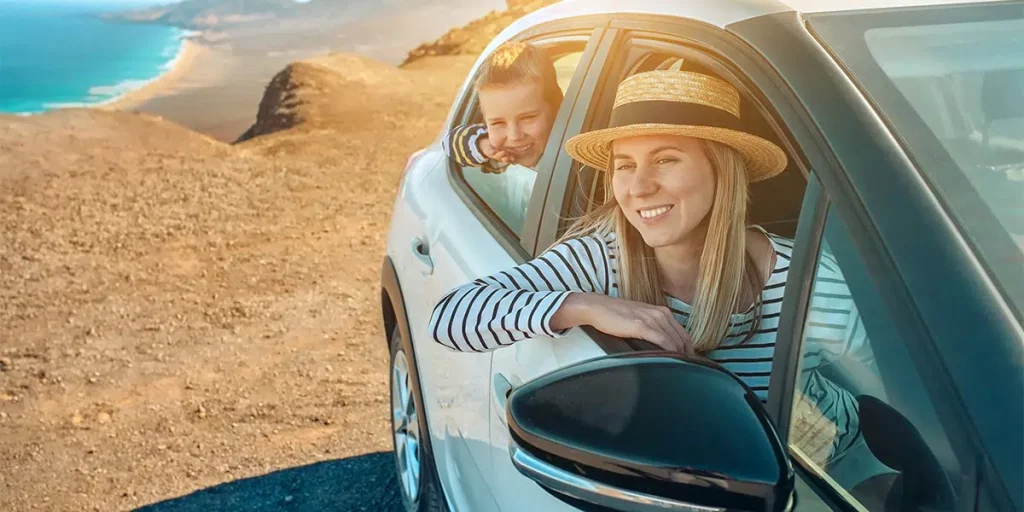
x=514, y=63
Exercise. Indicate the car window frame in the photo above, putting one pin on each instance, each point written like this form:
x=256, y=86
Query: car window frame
x=737, y=59
x=516, y=244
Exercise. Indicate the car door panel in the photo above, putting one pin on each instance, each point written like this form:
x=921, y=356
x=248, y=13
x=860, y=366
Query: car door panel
x=523, y=362
x=409, y=224
x=461, y=248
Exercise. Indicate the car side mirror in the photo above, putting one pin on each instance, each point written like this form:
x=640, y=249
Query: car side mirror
x=649, y=431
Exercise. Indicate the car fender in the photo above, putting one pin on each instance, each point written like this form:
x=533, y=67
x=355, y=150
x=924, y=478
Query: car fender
x=395, y=317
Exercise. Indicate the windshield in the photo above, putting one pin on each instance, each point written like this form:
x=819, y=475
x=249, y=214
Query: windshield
x=950, y=82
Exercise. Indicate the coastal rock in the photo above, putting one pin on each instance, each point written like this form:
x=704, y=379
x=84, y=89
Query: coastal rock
x=474, y=37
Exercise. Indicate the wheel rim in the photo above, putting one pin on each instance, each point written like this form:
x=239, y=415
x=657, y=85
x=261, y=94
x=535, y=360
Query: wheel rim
x=406, y=427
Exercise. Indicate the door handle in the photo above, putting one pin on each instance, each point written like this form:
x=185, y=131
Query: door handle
x=502, y=388
x=421, y=250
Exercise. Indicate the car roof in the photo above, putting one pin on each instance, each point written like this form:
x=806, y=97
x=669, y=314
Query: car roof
x=718, y=13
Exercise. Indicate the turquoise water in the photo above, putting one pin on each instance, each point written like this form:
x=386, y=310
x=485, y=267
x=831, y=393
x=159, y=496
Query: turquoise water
x=55, y=54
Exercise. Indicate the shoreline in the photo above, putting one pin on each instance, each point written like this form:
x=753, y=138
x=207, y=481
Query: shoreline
x=163, y=84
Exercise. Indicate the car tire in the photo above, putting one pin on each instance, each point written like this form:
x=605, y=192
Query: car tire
x=414, y=462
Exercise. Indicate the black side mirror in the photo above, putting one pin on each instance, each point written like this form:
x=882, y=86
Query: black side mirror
x=649, y=431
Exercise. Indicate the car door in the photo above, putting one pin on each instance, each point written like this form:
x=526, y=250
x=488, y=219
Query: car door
x=473, y=223
x=527, y=359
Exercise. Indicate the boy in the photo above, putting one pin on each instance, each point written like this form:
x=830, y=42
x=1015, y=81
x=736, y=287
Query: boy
x=518, y=92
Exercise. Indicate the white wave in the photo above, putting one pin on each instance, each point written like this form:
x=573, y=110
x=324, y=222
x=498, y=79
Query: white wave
x=117, y=89
x=69, y=104
x=106, y=94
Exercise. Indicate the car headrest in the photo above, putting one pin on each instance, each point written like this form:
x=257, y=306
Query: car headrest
x=1002, y=94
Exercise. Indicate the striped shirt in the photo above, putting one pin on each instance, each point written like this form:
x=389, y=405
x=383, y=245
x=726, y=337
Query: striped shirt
x=462, y=144
x=516, y=304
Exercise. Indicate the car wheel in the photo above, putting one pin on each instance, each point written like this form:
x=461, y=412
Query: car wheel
x=414, y=463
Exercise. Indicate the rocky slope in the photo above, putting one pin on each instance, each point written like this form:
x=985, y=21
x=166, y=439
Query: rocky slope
x=472, y=38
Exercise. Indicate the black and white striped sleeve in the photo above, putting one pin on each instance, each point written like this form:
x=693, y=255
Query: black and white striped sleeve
x=518, y=303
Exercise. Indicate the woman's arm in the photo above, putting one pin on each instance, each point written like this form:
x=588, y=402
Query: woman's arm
x=523, y=302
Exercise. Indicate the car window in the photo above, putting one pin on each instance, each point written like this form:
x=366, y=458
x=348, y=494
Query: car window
x=506, y=189
x=862, y=418
x=642, y=53
x=950, y=83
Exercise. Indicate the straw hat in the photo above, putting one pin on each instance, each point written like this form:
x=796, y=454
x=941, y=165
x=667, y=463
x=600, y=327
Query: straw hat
x=679, y=103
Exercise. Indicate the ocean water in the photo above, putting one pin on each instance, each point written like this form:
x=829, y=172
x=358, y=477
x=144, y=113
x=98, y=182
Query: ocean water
x=55, y=54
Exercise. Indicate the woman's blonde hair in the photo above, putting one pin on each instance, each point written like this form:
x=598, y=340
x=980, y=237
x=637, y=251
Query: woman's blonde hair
x=724, y=262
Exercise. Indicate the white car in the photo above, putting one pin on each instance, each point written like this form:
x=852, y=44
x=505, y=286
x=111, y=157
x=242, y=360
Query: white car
x=904, y=126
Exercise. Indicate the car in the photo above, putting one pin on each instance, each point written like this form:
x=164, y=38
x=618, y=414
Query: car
x=903, y=121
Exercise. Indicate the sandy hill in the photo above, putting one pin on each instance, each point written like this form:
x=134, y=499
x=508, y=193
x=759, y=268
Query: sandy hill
x=177, y=312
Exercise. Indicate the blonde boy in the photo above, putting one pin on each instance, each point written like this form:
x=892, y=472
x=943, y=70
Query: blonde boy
x=518, y=92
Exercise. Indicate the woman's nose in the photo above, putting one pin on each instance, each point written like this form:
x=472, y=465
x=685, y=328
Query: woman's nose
x=644, y=182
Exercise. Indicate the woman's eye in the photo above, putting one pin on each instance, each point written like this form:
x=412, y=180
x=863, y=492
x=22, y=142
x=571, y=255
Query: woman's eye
x=623, y=167
x=666, y=160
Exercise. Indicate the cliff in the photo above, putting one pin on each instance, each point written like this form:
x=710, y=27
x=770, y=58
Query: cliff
x=472, y=38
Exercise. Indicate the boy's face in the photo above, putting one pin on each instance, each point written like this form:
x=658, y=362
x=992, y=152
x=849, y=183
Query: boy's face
x=518, y=120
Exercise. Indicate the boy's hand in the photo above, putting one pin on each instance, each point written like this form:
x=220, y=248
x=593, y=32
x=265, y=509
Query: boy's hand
x=492, y=149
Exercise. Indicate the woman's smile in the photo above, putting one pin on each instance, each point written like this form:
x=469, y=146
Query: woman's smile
x=654, y=214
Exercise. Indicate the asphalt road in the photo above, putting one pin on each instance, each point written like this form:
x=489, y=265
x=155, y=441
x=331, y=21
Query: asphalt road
x=363, y=483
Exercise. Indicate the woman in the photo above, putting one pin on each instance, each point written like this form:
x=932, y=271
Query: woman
x=668, y=257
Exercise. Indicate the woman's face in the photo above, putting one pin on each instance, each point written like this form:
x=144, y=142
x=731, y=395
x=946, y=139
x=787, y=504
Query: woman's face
x=664, y=185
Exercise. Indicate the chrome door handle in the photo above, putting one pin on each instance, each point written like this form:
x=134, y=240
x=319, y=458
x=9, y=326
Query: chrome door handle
x=421, y=250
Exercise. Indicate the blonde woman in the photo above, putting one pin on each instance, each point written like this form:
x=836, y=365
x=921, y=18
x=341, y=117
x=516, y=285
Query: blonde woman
x=668, y=258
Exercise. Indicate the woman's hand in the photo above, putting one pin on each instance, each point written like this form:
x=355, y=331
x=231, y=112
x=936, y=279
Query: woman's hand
x=625, y=319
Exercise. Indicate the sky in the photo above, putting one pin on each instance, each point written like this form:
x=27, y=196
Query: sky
x=111, y=3
x=116, y=3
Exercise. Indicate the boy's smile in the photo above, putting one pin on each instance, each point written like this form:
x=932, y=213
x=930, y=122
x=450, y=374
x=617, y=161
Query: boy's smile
x=518, y=120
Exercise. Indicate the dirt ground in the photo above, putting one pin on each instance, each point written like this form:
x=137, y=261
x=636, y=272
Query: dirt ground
x=197, y=325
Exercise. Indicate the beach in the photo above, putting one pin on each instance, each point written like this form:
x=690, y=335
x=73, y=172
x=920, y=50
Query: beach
x=216, y=85
x=172, y=80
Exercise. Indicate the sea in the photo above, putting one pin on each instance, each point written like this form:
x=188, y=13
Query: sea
x=58, y=53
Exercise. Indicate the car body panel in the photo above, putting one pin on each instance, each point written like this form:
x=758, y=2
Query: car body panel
x=456, y=410
x=523, y=362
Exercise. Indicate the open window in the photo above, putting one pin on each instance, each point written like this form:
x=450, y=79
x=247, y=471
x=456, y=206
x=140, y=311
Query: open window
x=774, y=203
x=501, y=193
